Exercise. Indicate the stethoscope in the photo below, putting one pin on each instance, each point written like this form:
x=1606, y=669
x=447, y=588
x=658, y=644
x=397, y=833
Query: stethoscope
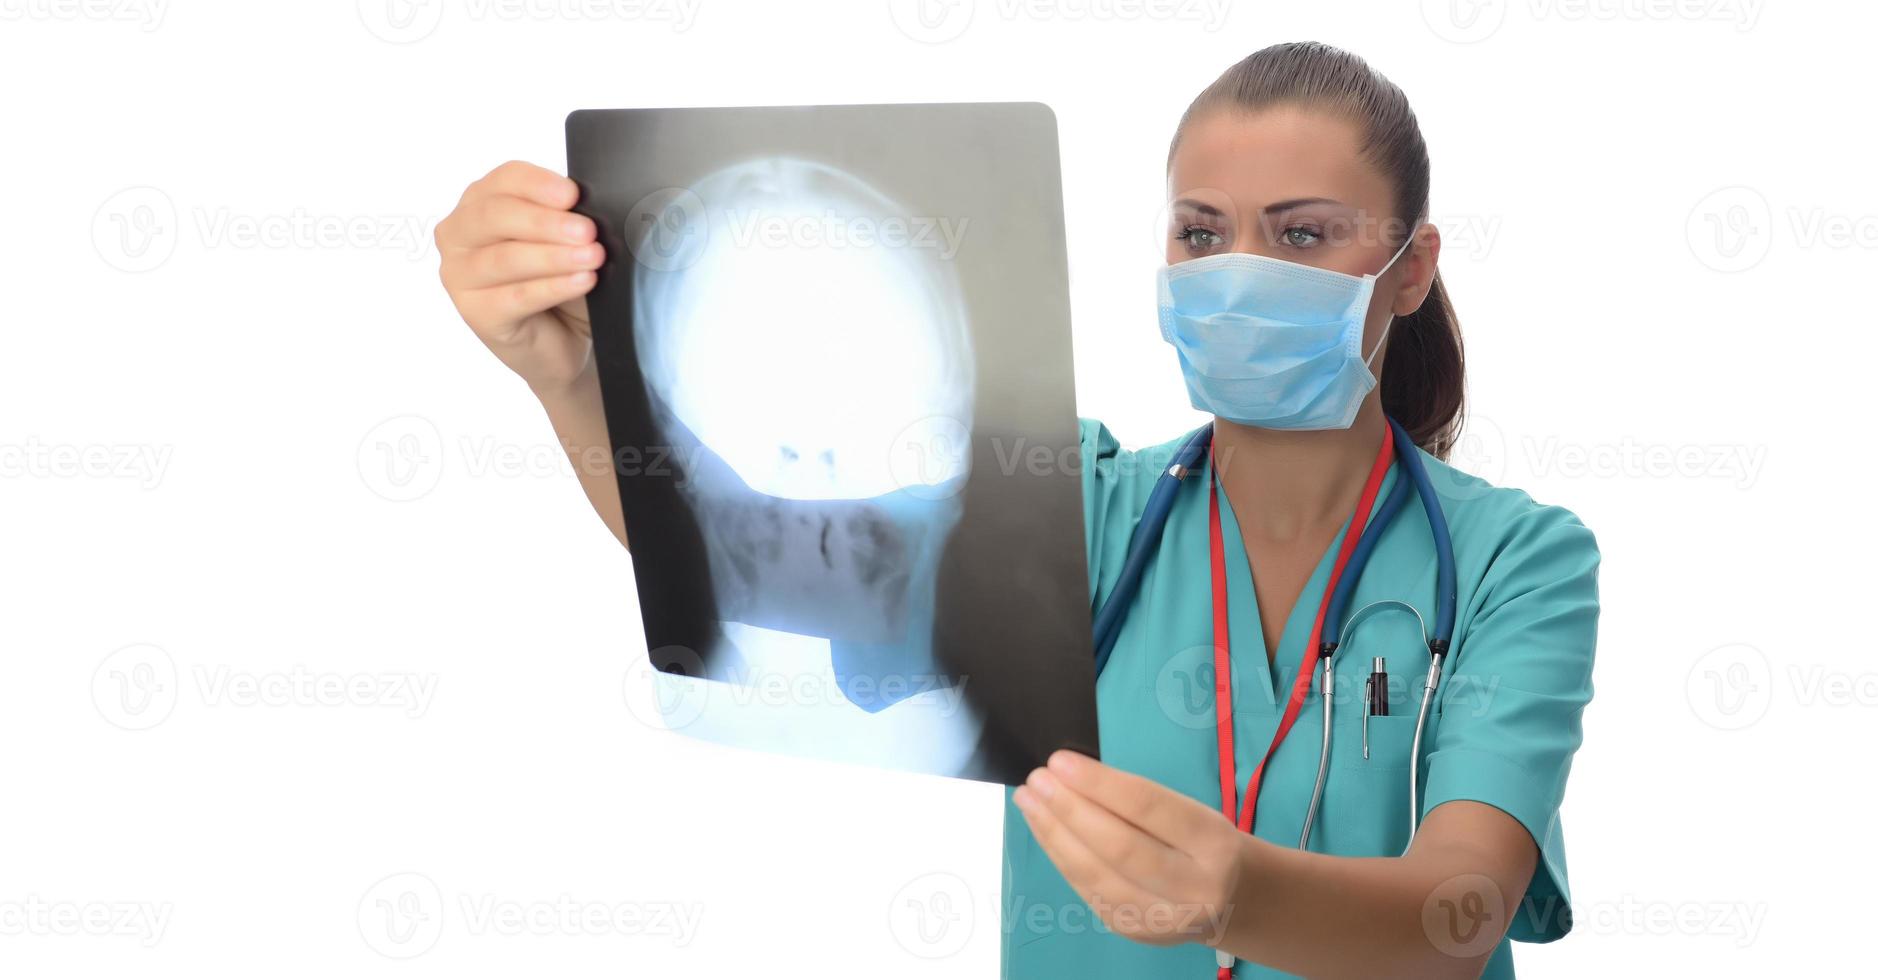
x=1146, y=539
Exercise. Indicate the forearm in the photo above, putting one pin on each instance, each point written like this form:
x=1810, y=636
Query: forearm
x=1320, y=915
x=580, y=424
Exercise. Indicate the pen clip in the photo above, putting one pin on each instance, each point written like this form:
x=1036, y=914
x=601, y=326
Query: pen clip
x=1368, y=684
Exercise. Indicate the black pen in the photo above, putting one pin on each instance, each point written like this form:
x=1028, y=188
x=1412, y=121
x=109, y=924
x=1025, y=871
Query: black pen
x=1375, y=698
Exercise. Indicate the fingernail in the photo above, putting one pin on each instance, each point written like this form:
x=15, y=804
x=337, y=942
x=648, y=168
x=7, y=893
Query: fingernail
x=575, y=227
x=587, y=253
x=1022, y=799
x=1064, y=761
x=1043, y=782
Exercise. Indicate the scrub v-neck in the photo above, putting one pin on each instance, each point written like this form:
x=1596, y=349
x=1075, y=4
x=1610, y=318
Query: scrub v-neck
x=1248, y=632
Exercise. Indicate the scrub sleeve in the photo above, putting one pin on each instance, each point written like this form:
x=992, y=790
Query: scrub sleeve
x=1513, y=702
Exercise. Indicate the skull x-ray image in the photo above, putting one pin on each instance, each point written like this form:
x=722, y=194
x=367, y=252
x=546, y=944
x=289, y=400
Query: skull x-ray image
x=833, y=344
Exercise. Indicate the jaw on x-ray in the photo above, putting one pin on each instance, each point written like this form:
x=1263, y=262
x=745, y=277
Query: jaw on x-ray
x=816, y=391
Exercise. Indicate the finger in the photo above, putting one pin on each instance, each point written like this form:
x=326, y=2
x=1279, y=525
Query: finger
x=539, y=185
x=499, y=307
x=1131, y=851
x=1113, y=897
x=504, y=217
x=513, y=261
x=1173, y=818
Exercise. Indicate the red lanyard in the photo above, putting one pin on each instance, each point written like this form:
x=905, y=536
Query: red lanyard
x=1222, y=640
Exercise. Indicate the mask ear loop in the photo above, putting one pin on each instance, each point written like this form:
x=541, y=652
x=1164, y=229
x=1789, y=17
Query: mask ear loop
x=1410, y=240
x=1381, y=342
x=1384, y=339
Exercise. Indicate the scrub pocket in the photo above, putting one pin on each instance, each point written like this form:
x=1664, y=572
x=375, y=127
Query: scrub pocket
x=1390, y=739
x=1365, y=810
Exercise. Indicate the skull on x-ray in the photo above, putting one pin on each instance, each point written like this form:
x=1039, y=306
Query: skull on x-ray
x=812, y=365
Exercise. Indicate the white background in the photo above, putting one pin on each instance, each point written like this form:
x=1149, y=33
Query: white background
x=241, y=453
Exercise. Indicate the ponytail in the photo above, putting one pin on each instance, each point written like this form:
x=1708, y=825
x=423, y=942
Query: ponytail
x=1423, y=373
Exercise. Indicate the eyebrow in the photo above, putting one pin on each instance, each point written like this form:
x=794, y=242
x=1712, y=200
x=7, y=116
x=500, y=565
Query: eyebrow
x=1200, y=206
x=1273, y=208
x=1298, y=202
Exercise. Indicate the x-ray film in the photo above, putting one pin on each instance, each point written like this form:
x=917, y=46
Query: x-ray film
x=834, y=350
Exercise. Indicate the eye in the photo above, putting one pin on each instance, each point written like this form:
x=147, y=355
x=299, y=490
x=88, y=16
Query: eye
x=1300, y=236
x=1200, y=237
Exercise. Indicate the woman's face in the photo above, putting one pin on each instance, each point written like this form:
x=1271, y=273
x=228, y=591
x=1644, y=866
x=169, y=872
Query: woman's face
x=1289, y=183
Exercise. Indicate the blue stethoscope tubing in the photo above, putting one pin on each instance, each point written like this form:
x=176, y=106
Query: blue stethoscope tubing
x=1146, y=539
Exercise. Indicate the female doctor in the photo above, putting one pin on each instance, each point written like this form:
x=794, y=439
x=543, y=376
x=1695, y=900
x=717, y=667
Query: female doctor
x=1298, y=184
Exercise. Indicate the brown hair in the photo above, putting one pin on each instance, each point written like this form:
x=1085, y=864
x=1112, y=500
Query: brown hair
x=1423, y=373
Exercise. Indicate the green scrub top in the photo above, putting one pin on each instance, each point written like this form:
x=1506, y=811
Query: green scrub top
x=1503, y=730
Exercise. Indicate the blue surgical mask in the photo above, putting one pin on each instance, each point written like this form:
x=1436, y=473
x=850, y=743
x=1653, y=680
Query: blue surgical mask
x=1270, y=343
